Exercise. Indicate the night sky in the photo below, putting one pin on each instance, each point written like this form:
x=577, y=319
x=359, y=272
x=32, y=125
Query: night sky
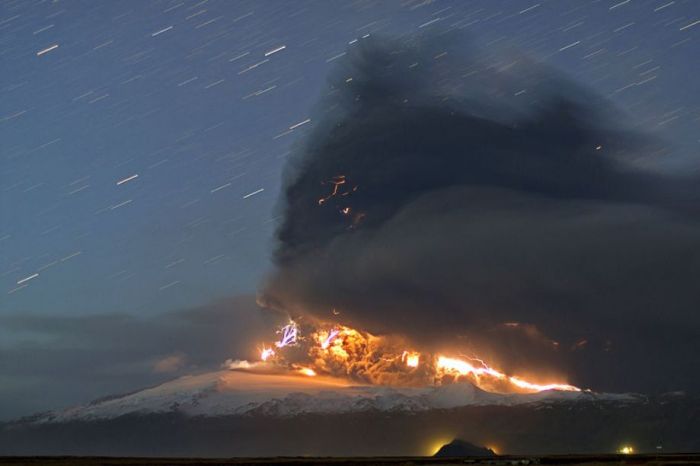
x=144, y=144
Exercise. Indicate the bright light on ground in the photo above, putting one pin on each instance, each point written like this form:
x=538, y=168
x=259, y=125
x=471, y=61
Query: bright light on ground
x=435, y=444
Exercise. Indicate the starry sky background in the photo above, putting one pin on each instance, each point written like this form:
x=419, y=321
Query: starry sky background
x=142, y=146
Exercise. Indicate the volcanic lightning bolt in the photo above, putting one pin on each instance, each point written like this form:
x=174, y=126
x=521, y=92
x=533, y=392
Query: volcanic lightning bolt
x=266, y=353
x=289, y=335
x=329, y=339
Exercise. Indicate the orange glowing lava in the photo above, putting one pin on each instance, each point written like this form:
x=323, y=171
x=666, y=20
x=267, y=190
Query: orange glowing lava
x=411, y=358
x=460, y=367
x=307, y=371
x=336, y=182
x=341, y=351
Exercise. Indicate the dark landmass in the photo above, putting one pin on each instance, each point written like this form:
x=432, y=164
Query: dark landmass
x=462, y=448
x=664, y=424
x=592, y=460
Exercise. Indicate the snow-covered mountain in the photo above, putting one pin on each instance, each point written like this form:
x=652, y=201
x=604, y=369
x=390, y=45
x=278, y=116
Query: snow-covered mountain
x=248, y=413
x=236, y=392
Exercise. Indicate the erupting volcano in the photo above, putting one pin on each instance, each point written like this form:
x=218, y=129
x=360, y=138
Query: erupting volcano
x=344, y=352
x=467, y=244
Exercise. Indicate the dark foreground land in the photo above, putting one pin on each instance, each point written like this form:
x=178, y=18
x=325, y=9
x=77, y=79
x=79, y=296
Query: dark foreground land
x=561, y=429
x=588, y=460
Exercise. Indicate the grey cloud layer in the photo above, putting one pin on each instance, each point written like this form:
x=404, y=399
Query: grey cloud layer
x=59, y=360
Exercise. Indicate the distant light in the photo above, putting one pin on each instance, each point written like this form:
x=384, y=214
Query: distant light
x=257, y=191
x=275, y=50
x=294, y=126
x=161, y=31
x=626, y=450
x=26, y=279
x=436, y=444
x=46, y=50
x=127, y=179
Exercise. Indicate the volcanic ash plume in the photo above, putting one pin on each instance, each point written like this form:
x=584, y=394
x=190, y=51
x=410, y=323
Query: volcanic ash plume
x=343, y=352
x=475, y=201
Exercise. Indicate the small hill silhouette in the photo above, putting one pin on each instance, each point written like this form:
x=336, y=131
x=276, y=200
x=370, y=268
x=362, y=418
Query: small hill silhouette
x=459, y=447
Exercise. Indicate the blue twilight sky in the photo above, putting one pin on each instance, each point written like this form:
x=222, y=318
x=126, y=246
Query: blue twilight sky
x=190, y=97
x=142, y=143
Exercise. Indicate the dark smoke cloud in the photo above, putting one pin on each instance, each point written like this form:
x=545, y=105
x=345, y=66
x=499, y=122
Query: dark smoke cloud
x=492, y=205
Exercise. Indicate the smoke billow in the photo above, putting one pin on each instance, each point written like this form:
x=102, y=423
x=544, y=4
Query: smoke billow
x=473, y=199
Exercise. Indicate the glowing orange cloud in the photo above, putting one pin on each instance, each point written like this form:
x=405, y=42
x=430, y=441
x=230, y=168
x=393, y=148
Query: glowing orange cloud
x=411, y=358
x=463, y=368
x=345, y=352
